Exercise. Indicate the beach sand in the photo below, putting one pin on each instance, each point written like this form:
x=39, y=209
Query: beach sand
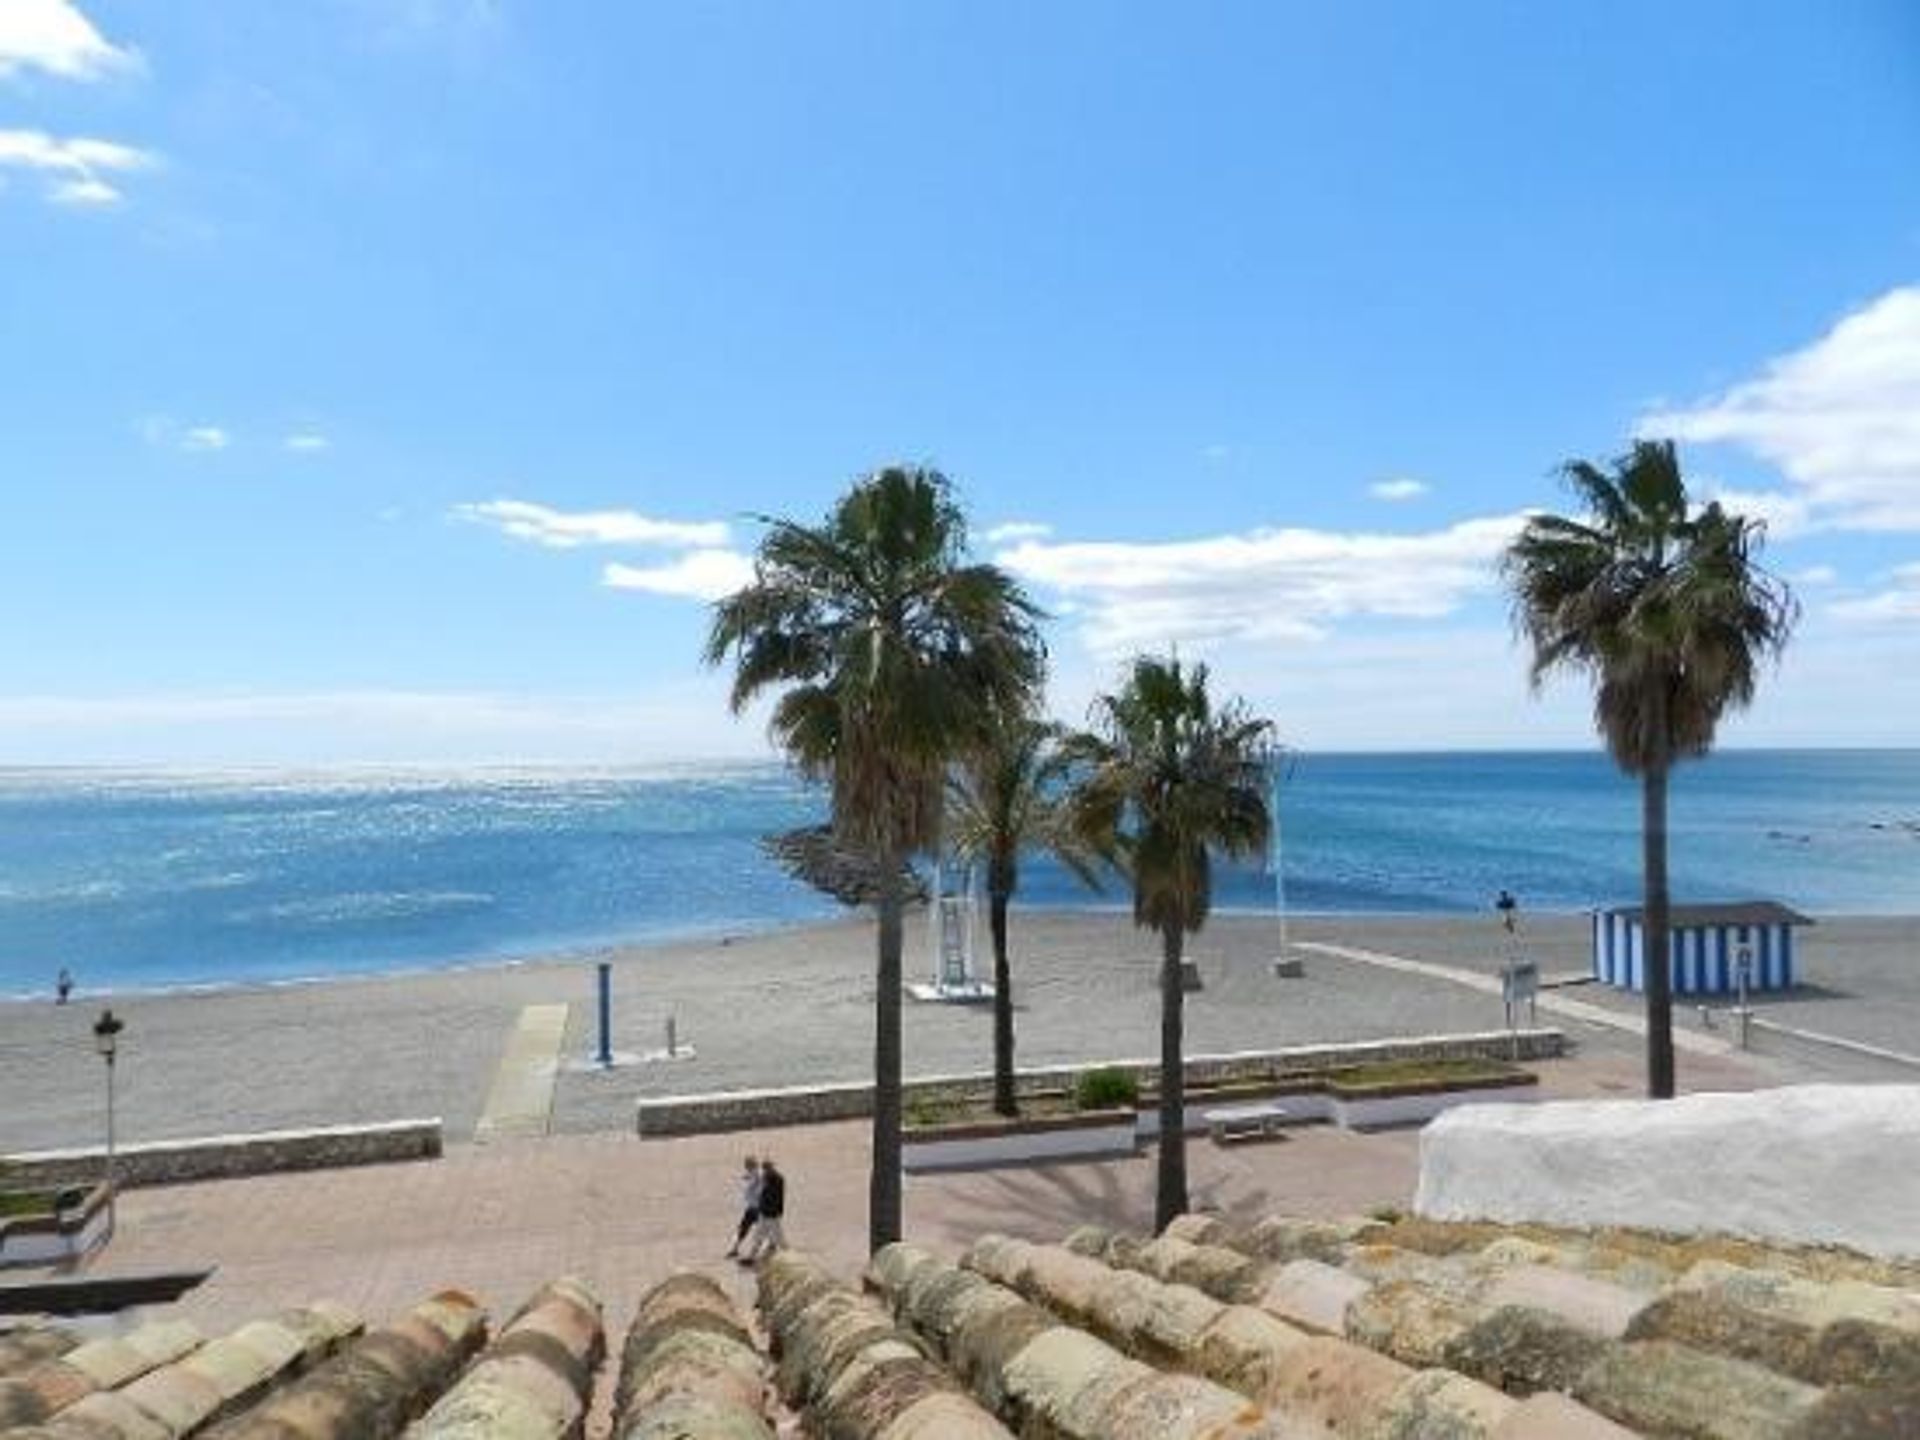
x=795, y=1006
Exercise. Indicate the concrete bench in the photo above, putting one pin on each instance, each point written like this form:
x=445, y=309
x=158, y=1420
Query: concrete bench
x=1245, y=1122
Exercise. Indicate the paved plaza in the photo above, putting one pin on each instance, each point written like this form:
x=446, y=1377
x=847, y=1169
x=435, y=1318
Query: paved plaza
x=498, y=1219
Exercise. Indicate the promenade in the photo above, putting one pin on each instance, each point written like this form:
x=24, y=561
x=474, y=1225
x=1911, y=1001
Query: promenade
x=500, y=1219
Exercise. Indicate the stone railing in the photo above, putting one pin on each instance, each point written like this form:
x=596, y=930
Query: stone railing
x=380, y=1385
x=689, y=1368
x=534, y=1381
x=224, y=1157
x=852, y=1100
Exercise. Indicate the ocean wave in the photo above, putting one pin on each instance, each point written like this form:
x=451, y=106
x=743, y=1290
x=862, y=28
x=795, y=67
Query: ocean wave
x=362, y=907
x=62, y=892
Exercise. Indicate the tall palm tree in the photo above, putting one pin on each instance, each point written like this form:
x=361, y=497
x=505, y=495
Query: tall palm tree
x=890, y=653
x=1165, y=779
x=1004, y=798
x=1668, y=610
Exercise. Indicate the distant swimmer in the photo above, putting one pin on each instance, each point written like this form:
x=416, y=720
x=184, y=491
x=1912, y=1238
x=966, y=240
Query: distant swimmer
x=63, y=986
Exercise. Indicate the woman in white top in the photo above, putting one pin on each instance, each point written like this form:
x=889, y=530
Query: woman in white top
x=749, y=1203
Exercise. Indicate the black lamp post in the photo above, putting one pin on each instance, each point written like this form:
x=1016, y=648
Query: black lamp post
x=1506, y=905
x=106, y=1039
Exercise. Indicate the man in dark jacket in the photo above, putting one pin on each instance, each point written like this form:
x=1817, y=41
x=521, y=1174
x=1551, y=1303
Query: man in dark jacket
x=768, y=1234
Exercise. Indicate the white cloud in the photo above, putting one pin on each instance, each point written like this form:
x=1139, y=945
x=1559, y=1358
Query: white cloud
x=567, y=530
x=698, y=575
x=73, y=167
x=1899, y=601
x=1840, y=418
x=1400, y=489
x=1265, y=585
x=205, y=437
x=1014, y=531
x=1815, y=575
x=1784, y=515
x=306, y=442
x=52, y=35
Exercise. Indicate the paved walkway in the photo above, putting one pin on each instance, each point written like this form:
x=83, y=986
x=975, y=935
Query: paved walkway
x=1598, y=1016
x=500, y=1219
x=520, y=1101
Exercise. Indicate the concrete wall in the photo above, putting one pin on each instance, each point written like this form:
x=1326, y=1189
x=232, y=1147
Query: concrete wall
x=216, y=1157
x=812, y=1104
x=1111, y=1136
x=1807, y=1164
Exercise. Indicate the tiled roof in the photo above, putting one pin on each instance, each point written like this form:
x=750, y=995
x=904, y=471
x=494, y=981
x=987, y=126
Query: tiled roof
x=1281, y=1330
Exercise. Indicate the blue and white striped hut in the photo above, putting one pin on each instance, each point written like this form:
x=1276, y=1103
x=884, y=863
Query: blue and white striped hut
x=1707, y=941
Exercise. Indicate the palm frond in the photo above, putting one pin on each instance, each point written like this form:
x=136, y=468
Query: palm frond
x=1670, y=611
x=889, y=648
x=1163, y=781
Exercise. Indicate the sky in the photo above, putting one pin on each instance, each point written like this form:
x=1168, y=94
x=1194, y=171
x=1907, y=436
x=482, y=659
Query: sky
x=399, y=380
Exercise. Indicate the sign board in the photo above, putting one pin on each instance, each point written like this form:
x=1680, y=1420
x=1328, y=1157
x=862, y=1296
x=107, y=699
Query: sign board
x=1520, y=982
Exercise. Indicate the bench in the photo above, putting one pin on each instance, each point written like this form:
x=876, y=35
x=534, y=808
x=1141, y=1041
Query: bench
x=1260, y=1120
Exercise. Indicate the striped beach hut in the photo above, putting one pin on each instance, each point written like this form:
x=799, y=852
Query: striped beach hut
x=1707, y=942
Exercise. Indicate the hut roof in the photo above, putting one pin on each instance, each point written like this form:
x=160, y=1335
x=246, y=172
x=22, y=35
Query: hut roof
x=1737, y=912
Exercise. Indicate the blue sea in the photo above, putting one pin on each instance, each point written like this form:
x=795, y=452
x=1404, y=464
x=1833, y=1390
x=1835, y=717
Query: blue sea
x=148, y=881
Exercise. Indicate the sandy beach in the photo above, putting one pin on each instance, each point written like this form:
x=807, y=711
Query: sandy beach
x=794, y=1006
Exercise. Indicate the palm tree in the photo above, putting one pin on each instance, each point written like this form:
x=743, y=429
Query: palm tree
x=890, y=653
x=1003, y=798
x=1666, y=607
x=1165, y=779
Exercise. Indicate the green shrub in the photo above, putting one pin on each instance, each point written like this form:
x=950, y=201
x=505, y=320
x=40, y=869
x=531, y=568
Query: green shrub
x=1106, y=1088
x=922, y=1111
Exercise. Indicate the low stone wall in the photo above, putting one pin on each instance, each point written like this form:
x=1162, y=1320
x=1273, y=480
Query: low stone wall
x=222, y=1157
x=814, y=1104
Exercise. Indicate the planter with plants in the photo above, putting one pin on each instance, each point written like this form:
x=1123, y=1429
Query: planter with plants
x=45, y=1225
x=1094, y=1119
x=1412, y=1092
x=1373, y=1096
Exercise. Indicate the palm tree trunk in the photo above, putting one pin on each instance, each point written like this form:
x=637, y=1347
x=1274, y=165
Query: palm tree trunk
x=1657, y=908
x=1170, y=1199
x=883, y=1188
x=1004, y=1102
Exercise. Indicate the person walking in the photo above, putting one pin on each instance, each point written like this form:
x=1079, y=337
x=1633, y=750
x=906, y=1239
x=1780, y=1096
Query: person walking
x=749, y=1204
x=768, y=1233
x=63, y=986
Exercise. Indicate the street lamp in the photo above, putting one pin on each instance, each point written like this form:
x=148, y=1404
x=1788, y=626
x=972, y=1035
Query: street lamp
x=106, y=1039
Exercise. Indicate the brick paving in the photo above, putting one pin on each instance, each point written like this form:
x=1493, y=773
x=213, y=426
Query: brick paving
x=500, y=1219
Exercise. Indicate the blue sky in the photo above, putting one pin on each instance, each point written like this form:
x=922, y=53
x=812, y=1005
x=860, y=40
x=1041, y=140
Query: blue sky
x=390, y=379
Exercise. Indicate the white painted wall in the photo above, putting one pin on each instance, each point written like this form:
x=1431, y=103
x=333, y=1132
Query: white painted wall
x=1085, y=1142
x=1810, y=1164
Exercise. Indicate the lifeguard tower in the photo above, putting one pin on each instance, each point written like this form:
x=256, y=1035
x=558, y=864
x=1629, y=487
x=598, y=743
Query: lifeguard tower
x=951, y=911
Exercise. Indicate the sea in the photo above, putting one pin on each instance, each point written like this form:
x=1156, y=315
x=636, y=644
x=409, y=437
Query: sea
x=139, y=881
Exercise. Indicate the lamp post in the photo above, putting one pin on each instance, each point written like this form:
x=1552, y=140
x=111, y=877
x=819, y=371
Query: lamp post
x=106, y=1039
